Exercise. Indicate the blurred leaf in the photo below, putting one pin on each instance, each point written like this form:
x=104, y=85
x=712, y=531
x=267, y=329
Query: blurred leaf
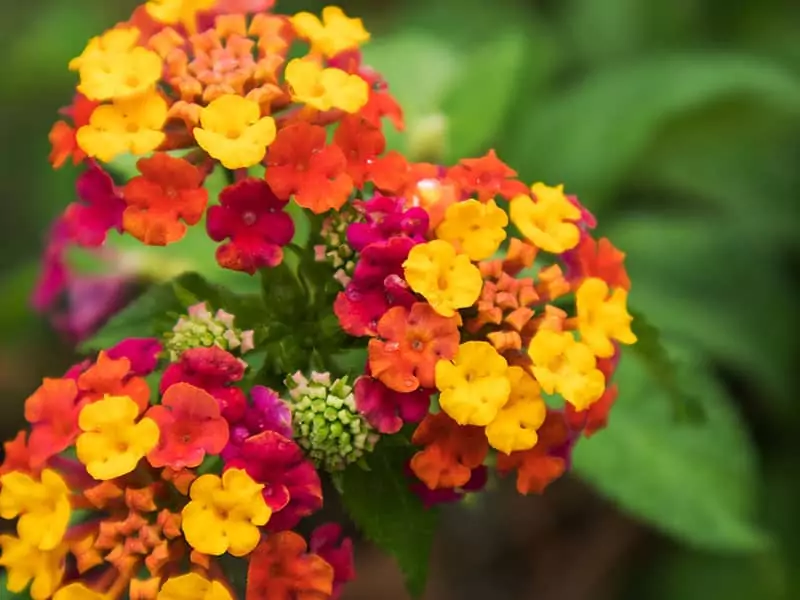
x=590, y=137
x=694, y=482
x=16, y=314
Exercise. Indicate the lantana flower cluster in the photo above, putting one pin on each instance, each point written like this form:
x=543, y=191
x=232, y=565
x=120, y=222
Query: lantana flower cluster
x=482, y=319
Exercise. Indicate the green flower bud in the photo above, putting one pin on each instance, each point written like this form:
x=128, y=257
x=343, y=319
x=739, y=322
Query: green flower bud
x=202, y=329
x=334, y=248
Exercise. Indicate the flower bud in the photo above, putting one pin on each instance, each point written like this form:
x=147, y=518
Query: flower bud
x=201, y=328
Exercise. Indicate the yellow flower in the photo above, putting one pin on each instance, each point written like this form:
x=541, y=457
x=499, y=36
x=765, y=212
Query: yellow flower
x=448, y=280
x=42, y=506
x=602, y=318
x=514, y=428
x=326, y=89
x=224, y=514
x=117, y=40
x=113, y=442
x=475, y=386
x=233, y=131
x=546, y=222
x=116, y=75
x=25, y=562
x=78, y=591
x=192, y=586
x=133, y=125
x=184, y=12
x=475, y=228
x=565, y=366
x=335, y=33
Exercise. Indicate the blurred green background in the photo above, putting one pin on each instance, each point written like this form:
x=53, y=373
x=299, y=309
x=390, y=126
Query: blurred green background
x=677, y=122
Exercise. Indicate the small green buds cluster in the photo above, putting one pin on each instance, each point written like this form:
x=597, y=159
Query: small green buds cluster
x=335, y=249
x=200, y=328
x=326, y=423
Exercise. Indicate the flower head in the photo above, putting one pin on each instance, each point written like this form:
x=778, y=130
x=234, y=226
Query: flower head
x=202, y=329
x=549, y=220
x=474, y=228
x=603, y=318
x=514, y=427
x=333, y=34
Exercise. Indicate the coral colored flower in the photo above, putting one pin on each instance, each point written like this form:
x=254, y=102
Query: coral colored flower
x=430, y=498
x=252, y=217
x=194, y=586
x=363, y=144
x=112, y=442
x=300, y=164
x=53, y=413
x=591, y=258
x=447, y=280
x=603, y=318
x=25, y=563
x=141, y=353
x=335, y=33
x=387, y=410
x=280, y=567
x=451, y=452
x=565, y=366
x=117, y=75
x=191, y=426
x=385, y=218
x=168, y=190
x=184, y=12
x=113, y=377
x=233, y=131
x=292, y=488
x=42, y=506
x=475, y=386
x=77, y=591
x=224, y=514
x=361, y=305
x=325, y=89
x=328, y=543
x=409, y=345
x=132, y=125
x=547, y=221
x=487, y=177
x=514, y=427
x=17, y=455
x=62, y=135
x=474, y=228
x=99, y=210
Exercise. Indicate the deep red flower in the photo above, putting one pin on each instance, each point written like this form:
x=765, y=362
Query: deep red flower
x=382, y=259
x=190, y=425
x=487, y=177
x=387, y=410
x=99, y=210
x=328, y=542
x=386, y=217
x=359, y=307
x=251, y=216
x=52, y=411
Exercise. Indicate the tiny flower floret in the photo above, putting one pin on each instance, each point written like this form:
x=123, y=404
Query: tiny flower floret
x=172, y=12
x=42, y=506
x=115, y=75
x=194, y=586
x=25, y=563
x=514, y=427
x=326, y=89
x=547, y=221
x=603, y=318
x=475, y=228
x=335, y=33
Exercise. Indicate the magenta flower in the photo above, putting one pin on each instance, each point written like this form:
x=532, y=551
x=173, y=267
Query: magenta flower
x=385, y=218
x=54, y=274
x=360, y=307
x=99, y=210
x=267, y=412
x=251, y=216
x=141, y=352
x=328, y=542
x=381, y=259
x=90, y=301
x=387, y=410
x=292, y=488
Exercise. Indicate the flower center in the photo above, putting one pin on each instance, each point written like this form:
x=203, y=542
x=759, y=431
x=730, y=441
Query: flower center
x=249, y=217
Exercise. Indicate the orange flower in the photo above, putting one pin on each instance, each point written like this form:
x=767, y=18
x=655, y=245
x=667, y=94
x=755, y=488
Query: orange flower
x=300, y=164
x=18, y=456
x=487, y=177
x=191, y=426
x=168, y=189
x=409, y=344
x=538, y=467
x=112, y=377
x=62, y=135
x=451, y=451
x=281, y=568
x=53, y=412
x=363, y=145
x=601, y=259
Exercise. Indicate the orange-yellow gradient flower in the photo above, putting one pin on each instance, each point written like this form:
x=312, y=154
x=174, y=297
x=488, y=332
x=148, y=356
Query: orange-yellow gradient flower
x=326, y=89
x=603, y=318
x=565, y=366
x=233, y=131
x=514, y=427
x=25, y=563
x=474, y=228
x=335, y=33
x=42, y=506
x=447, y=280
x=224, y=514
x=113, y=442
x=475, y=386
x=193, y=586
x=547, y=221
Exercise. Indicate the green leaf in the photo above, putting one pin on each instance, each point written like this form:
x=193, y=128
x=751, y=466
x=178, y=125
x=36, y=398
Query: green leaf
x=384, y=508
x=695, y=482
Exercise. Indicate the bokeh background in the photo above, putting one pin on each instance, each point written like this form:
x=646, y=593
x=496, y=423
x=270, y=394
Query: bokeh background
x=677, y=122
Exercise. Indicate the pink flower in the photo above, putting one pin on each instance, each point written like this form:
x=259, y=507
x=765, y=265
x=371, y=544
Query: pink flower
x=252, y=217
x=54, y=274
x=141, y=352
x=268, y=412
x=387, y=410
x=292, y=488
x=432, y=498
x=360, y=307
x=327, y=542
x=99, y=210
x=385, y=218
x=90, y=301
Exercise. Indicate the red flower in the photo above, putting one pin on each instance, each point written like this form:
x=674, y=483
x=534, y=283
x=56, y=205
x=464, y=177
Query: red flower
x=53, y=412
x=252, y=217
x=451, y=453
x=363, y=144
x=387, y=410
x=300, y=164
x=18, y=456
x=292, y=488
x=99, y=211
x=595, y=418
x=409, y=344
x=168, y=189
x=337, y=551
x=359, y=307
x=62, y=135
x=280, y=568
x=114, y=378
x=600, y=259
x=487, y=177
x=191, y=426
